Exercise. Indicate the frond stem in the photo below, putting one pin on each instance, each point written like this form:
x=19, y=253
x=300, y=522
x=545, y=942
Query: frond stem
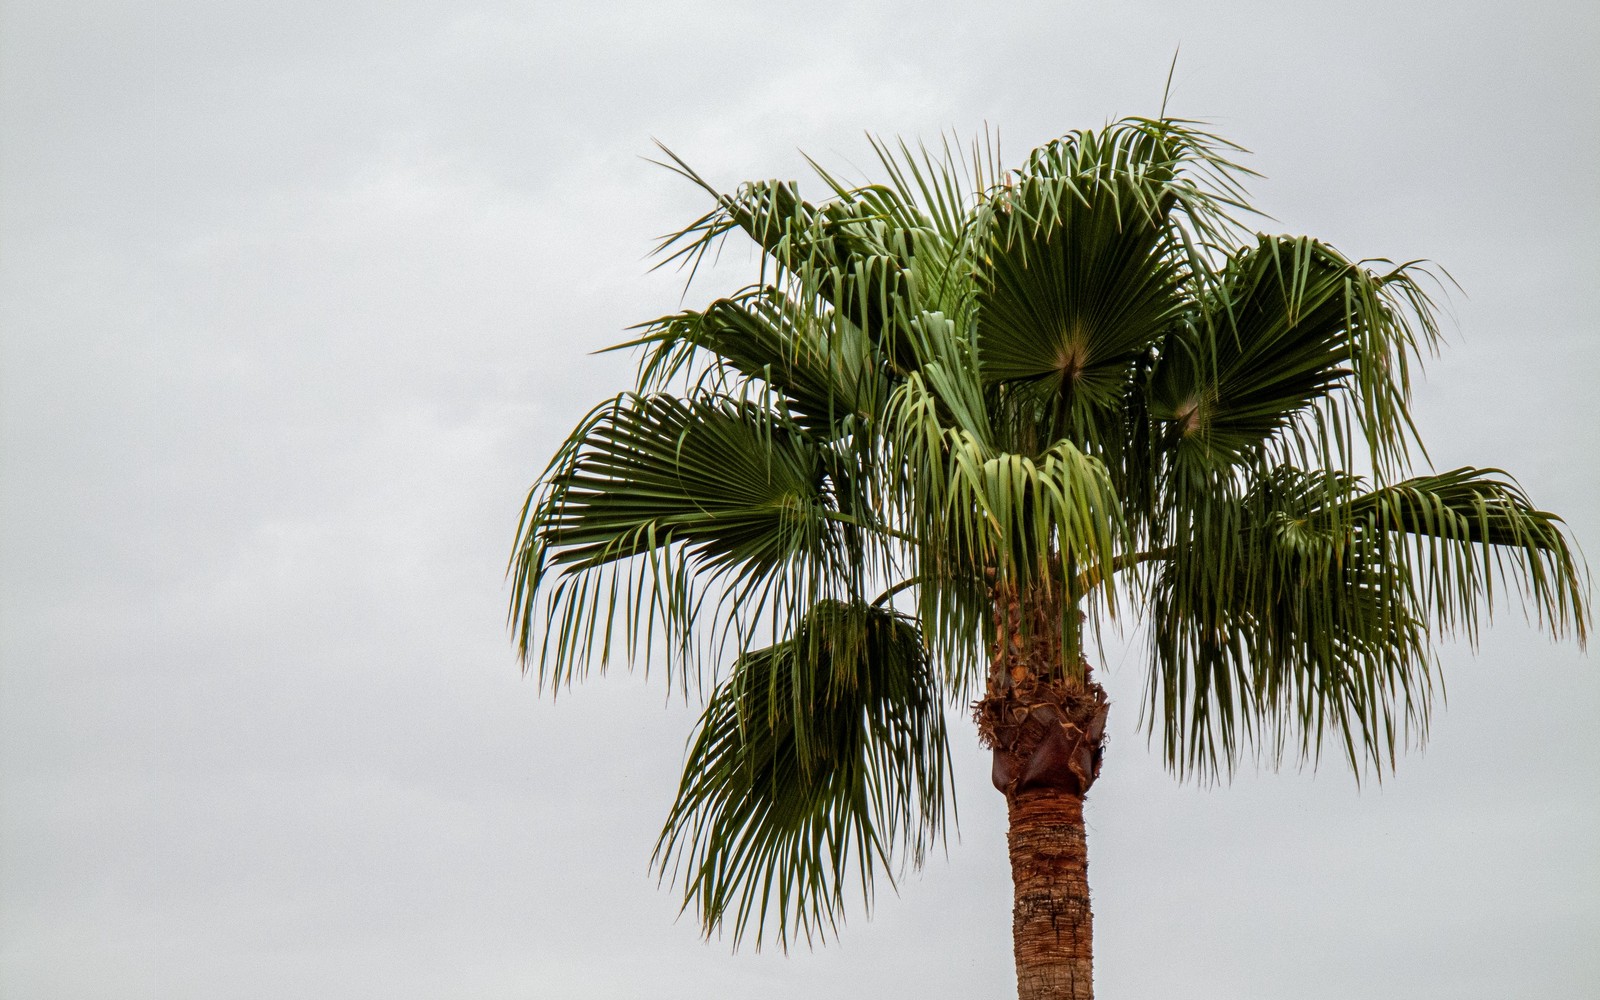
x=1089, y=579
x=882, y=598
x=833, y=515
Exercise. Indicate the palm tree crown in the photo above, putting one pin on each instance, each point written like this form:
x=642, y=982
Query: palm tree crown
x=958, y=415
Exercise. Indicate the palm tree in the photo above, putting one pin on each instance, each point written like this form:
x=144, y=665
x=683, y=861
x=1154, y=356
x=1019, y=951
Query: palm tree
x=958, y=417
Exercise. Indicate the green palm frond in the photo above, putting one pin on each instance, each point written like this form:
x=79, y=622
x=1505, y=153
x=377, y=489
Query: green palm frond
x=820, y=763
x=1013, y=513
x=1176, y=169
x=1306, y=605
x=1285, y=325
x=1263, y=627
x=946, y=185
x=873, y=254
x=1080, y=247
x=1077, y=278
x=820, y=366
x=654, y=499
x=847, y=253
x=1089, y=256
x=1469, y=533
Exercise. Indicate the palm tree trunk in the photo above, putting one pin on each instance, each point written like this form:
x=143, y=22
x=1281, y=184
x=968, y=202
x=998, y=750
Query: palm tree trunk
x=1051, y=923
x=1046, y=726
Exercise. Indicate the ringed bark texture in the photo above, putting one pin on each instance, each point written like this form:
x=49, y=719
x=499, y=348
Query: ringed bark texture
x=1046, y=726
x=1051, y=925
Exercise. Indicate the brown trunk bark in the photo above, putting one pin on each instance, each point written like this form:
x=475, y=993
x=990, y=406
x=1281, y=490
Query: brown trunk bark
x=1046, y=725
x=1051, y=924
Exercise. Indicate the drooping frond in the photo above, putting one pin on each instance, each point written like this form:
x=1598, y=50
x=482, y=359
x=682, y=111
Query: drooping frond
x=1306, y=605
x=1263, y=627
x=1472, y=535
x=982, y=516
x=820, y=764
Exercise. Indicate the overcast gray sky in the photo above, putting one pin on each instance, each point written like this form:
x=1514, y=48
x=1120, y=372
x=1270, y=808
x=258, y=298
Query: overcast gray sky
x=297, y=299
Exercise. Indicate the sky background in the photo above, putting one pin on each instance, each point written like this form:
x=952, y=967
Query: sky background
x=297, y=299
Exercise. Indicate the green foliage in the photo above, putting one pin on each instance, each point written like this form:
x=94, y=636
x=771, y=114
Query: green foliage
x=1083, y=376
x=817, y=755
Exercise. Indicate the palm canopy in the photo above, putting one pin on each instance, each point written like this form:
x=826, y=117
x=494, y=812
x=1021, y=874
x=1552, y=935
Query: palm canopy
x=1083, y=377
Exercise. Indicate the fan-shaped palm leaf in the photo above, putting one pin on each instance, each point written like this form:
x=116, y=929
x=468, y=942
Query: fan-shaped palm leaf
x=704, y=490
x=1284, y=325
